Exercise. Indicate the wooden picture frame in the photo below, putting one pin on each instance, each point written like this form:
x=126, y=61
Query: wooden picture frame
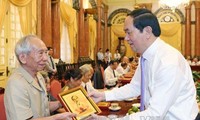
x=76, y=101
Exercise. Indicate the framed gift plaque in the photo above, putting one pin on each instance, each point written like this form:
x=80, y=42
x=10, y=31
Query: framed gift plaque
x=77, y=101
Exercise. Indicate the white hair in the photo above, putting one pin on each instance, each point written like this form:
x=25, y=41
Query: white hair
x=85, y=68
x=24, y=46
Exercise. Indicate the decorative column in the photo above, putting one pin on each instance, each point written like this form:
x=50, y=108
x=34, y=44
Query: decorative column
x=188, y=30
x=55, y=10
x=106, y=27
x=197, y=28
x=46, y=22
x=81, y=31
x=86, y=33
x=98, y=25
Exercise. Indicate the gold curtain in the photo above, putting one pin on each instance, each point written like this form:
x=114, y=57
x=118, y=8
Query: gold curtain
x=25, y=15
x=114, y=38
x=68, y=15
x=20, y=3
x=171, y=34
x=4, y=8
x=118, y=31
x=92, y=37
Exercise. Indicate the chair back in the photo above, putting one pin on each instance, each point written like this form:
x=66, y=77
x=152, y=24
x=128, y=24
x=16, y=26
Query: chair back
x=98, y=79
x=2, y=108
x=102, y=72
x=55, y=88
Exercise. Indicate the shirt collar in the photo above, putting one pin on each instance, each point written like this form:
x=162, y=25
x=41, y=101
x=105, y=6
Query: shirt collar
x=151, y=50
x=31, y=80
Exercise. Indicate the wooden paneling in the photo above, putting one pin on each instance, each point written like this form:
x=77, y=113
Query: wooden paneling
x=46, y=22
x=55, y=10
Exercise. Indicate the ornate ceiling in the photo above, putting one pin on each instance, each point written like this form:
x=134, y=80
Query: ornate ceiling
x=126, y=2
x=119, y=2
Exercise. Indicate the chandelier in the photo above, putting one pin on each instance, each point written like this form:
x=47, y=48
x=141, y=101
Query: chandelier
x=173, y=4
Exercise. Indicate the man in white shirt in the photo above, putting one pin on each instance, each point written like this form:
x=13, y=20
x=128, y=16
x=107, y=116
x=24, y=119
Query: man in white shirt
x=169, y=86
x=125, y=59
x=121, y=68
x=108, y=55
x=117, y=55
x=100, y=57
x=111, y=75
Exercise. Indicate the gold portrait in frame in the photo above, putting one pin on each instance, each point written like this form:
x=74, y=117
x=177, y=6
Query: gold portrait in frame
x=77, y=101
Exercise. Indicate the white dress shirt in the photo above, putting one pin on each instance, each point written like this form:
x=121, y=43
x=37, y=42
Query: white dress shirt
x=88, y=85
x=110, y=80
x=108, y=55
x=170, y=90
x=117, y=56
x=120, y=69
x=100, y=56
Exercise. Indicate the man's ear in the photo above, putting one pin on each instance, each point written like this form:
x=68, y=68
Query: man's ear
x=22, y=58
x=148, y=31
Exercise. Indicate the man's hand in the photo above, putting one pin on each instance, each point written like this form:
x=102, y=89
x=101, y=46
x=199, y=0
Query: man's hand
x=97, y=96
x=54, y=71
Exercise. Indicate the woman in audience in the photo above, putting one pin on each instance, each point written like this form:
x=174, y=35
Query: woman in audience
x=72, y=78
x=87, y=72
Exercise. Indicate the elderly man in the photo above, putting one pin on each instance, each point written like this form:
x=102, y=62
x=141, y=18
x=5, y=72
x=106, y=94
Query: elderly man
x=164, y=78
x=25, y=93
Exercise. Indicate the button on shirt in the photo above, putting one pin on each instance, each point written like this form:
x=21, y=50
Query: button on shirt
x=169, y=86
x=24, y=97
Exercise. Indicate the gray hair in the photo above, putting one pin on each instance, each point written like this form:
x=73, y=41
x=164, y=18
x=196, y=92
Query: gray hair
x=24, y=45
x=85, y=68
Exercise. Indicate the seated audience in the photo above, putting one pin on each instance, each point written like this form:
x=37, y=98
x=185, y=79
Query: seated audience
x=121, y=68
x=72, y=78
x=111, y=75
x=117, y=55
x=87, y=74
x=125, y=59
x=25, y=94
x=49, y=94
x=195, y=61
x=133, y=62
